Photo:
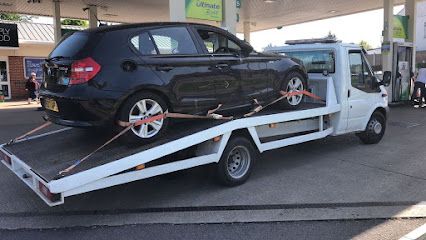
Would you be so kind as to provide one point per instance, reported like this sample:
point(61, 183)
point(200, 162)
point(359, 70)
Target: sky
point(353, 28)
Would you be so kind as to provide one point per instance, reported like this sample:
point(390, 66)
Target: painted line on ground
point(417, 234)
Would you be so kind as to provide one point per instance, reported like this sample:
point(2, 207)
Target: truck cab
point(359, 92)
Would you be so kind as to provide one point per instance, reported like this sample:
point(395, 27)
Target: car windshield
point(70, 46)
point(315, 61)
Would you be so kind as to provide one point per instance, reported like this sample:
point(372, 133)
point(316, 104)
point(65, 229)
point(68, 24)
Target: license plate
point(51, 105)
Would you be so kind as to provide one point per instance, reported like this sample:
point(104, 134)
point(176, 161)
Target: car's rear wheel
point(142, 106)
point(294, 82)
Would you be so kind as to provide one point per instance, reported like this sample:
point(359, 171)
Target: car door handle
point(164, 68)
point(221, 65)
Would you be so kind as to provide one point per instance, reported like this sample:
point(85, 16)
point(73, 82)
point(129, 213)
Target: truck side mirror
point(387, 77)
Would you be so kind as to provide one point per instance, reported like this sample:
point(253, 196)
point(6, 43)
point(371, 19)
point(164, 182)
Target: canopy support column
point(387, 45)
point(411, 12)
point(229, 21)
point(92, 11)
point(177, 10)
point(247, 31)
point(56, 20)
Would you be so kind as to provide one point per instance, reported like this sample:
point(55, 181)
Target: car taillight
point(83, 70)
point(5, 158)
point(46, 192)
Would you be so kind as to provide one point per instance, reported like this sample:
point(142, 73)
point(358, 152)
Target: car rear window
point(71, 45)
point(315, 61)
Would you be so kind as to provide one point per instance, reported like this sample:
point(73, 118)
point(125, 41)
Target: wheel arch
point(378, 109)
point(382, 111)
point(145, 89)
point(294, 69)
point(246, 134)
point(297, 69)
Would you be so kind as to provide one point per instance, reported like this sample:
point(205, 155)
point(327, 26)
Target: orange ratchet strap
point(129, 125)
point(283, 95)
point(46, 124)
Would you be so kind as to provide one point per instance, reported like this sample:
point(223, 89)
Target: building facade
point(36, 41)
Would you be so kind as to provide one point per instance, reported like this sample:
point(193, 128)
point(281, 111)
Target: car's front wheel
point(294, 82)
point(142, 106)
point(375, 129)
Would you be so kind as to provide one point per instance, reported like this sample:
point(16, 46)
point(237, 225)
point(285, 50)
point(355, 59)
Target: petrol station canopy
point(261, 14)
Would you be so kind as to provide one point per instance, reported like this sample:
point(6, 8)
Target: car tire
point(139, 106)
point(294, 81)
point(236, 163)
point(375, 129)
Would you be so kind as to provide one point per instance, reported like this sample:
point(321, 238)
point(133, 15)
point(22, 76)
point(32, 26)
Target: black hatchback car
point(98, 76)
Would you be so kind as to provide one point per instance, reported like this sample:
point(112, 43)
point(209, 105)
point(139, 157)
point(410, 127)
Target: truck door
point(362, 91)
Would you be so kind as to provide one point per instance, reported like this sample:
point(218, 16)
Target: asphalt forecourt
point(330, 179)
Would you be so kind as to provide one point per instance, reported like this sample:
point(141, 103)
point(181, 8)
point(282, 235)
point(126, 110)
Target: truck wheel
point(375, 129)
point(237, 162)
point(140, 106)
point(293, 82)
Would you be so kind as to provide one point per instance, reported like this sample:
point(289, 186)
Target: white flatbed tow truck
point(233, 145)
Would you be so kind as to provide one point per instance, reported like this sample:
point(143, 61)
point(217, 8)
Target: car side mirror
point(387, 77)
point(246, 49)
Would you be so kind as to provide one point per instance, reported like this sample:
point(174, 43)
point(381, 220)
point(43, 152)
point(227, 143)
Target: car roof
point(142, 25)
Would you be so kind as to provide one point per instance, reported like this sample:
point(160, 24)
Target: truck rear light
point(83, 70)
point(46, 192)
point(5, 158)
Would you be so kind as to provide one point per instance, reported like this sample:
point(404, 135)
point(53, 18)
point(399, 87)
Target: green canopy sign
point(204, 9)
point(400, 27)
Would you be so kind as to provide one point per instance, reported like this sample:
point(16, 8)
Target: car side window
point(143, 43)
point(217, 43)
point(361, 76)
point(173, 40)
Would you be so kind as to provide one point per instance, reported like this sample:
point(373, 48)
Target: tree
point(365, 45)
point(14, 17)
point(75, 22)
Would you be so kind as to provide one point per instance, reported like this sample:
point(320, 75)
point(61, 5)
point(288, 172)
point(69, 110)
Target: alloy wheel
point(295, 85)
point(144, 109)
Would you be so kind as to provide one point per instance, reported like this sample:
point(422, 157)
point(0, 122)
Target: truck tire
point(237, 162)
point(151, 105)
point(294, 81)
point(375, 129)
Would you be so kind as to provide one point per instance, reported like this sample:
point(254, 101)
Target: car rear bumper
point(81, 112)
point(71, 123)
